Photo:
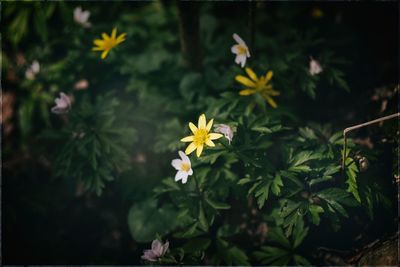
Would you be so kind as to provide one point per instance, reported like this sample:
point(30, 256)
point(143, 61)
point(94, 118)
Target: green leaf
point(217, 205)
point(278, 236)
point(146, 219)
point(203, 223)
point(262, 193)
point(303, 157)
point(351, 171)
point(276, 185)
point(197, 244)
point(315, 210)
point(299, 232)
point(300, 260)
point(244, 181)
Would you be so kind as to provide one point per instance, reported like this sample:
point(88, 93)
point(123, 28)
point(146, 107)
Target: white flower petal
point(176, 163)
point(235, 49)
point(184, 157)
point(238, 39)
point(165, 248)
point(180, 175)
point(184, 179)
point(190, 172)
point(242, 60)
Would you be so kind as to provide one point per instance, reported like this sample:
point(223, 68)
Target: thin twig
point(349, 129)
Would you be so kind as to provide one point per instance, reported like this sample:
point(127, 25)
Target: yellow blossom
point(317, 13)
point(108, 42)
point(257, 85)
point(201, 136)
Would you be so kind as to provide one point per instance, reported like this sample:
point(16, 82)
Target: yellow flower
point(201, 136)
point(257, 85)
point(317, 13)
point(108, 42)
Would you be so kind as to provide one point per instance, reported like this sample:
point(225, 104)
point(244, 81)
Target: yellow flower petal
point(270, 100)
point(97, 49)
point(104, 54)
point(210, 143)
point(114, 33)
point(209, 125)
point(247, 92)
point(121, 38)
point(245, 81)
point(105, 36)
point(251, 74)
point(190, 148)
point(273, 92)
point(214, 136)
point(269, 75)
point(202, 122)
point(98, 42)
point(188, 139)
point(199, 150)
point(192, 127)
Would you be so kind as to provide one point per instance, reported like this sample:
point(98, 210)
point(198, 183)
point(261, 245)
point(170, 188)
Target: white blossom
point(32, 70)
point(315, 67)
point(63, 104)
point(82, 17)
point(158, 250)
point(183, 167)
point(241, 50)
point(226, 130)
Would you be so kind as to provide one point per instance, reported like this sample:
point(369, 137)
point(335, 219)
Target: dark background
point(47, 221)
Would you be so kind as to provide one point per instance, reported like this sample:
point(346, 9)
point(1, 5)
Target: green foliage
point(95, 143)
point(285, 251)
point(147, 219)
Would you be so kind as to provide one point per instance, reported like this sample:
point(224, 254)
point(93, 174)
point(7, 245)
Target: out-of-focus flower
point(158, 250)
point(257, 85)
point(241, 50)
point(108, 42)
point(315, 67)
point(317, 13)
point(20, 59)
point(201, 136)
point(7, 103)
point(82, 17)
point(226, 130)
point(32, 70)
point(183, 166)
point(140, 158)
point(81, 84)
point(63, 104)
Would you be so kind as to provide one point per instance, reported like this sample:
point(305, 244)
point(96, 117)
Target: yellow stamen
point(185, 167)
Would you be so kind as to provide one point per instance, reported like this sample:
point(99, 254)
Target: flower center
point(261, 84)
point(108, 44)
point(200, 137)
point(185, 167)
point(242, 50)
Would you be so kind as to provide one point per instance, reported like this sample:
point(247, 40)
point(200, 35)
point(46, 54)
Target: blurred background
point(48, 219)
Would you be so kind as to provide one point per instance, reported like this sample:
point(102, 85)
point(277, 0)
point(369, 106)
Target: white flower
point(315, 67)
point(241, 50)
point(63, 104)
point(82, 17)
point(226, 130)
point(183, 166)
point(158, 250)
point(33, 69)
point(81, 84)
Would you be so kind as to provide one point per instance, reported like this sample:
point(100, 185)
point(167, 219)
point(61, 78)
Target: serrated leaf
point(217, 205)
